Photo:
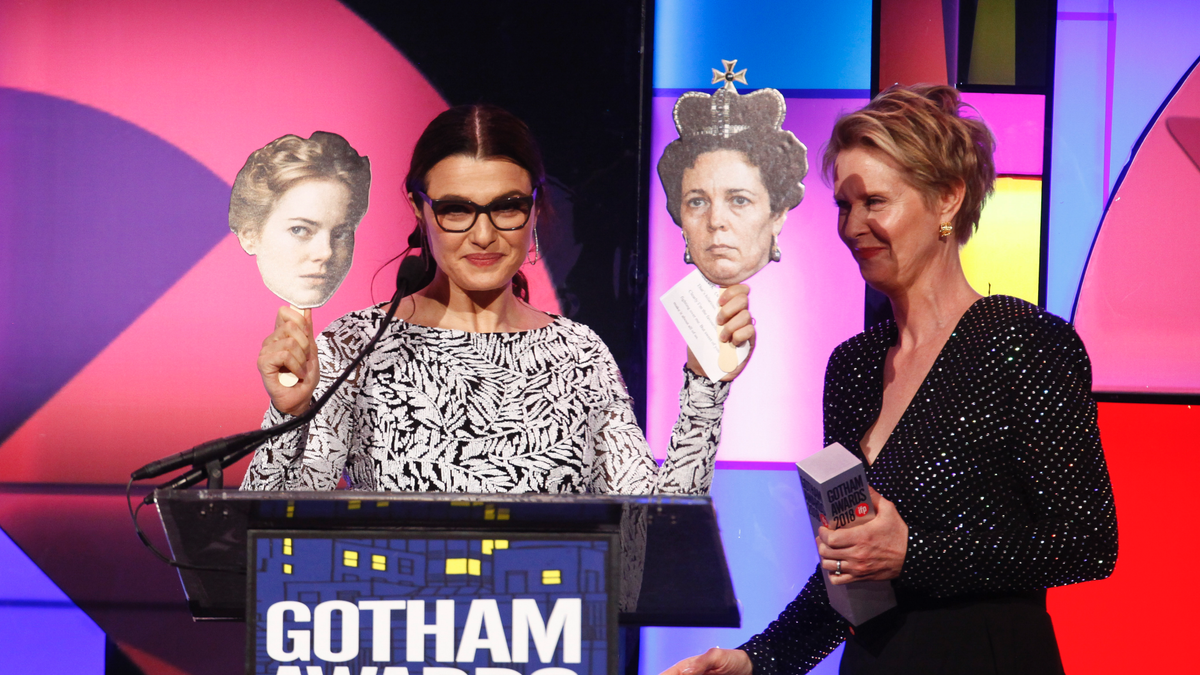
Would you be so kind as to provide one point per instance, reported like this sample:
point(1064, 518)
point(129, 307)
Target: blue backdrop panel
point(41, 630)
point(771, 553)
point(787, 44)
point(1077, 156)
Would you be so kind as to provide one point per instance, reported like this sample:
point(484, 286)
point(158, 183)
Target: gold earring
point(945, 230)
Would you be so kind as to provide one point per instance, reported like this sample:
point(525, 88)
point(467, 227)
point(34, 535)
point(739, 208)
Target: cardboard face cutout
point(731, 177)
point(295, 207)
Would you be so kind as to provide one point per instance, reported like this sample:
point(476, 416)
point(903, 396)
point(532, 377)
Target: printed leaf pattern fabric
point(440, 410)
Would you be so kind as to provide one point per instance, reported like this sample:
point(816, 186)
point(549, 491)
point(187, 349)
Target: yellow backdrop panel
point(1002, 257)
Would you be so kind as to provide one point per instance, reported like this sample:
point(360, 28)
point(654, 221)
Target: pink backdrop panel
point(1019, 123)
point(1138, 309)
point(217, 80)
point(804, 306)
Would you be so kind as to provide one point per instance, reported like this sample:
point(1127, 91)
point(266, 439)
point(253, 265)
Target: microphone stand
point(209, 460)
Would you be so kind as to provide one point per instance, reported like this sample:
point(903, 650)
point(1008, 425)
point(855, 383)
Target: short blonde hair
point(919, 127)
point(286, 162)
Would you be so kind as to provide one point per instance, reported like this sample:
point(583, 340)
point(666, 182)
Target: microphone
point(202, 453)
point(412, 271)
point(412, 275)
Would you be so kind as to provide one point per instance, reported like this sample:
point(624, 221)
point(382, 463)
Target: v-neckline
point(893, 338)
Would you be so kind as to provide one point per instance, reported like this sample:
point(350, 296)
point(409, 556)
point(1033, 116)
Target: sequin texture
point(996, 467)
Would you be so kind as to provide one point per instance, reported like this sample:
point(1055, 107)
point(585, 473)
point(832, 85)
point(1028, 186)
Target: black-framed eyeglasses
point(459, 215)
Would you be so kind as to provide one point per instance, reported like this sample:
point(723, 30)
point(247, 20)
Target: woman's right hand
point(290, 348)
point(737, 326)
point(715, 661)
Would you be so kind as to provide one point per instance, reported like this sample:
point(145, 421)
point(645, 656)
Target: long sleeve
point(443, 410)
point(691, 457)
point(313, 458)
point(623, 461)
point(1070, 534)
point(806, 632)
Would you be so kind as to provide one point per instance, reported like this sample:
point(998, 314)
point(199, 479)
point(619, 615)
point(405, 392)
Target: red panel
point(912, 42)
point(1140, 619)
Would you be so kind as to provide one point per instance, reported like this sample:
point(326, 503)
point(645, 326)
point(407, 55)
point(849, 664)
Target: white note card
point(692, 306)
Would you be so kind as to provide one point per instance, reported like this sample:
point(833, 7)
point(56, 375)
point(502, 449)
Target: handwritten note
point(692, 306)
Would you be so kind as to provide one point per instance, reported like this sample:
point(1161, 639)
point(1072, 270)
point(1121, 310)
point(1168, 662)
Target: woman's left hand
point(873, 551)
point(736, 326)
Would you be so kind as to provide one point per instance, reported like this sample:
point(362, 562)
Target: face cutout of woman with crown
point(731, 177)
point(729, 229)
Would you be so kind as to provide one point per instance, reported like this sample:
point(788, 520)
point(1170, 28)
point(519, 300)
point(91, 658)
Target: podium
point(342, 583)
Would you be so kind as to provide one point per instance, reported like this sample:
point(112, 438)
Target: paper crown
point(725, 112)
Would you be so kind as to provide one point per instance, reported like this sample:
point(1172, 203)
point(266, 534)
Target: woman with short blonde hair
point(921, 130)
point(973, 416)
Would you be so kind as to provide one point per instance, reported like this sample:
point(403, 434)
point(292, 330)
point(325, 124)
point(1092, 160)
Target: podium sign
point(428, 602)
point(387, 583)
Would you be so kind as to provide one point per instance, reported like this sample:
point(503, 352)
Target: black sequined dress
point(997, 469)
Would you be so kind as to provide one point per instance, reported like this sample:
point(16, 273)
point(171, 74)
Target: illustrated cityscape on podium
point(309, 568)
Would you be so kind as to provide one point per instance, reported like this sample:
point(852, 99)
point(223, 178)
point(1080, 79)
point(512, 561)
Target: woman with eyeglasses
point(472, 389)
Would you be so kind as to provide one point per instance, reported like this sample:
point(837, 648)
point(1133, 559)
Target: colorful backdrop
point(1114, 64)
point(129, 315)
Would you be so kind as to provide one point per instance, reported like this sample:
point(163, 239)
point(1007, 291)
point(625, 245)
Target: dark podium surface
point(685, 579)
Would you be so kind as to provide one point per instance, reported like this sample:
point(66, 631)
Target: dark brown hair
point(921, 129)
point(483, 132)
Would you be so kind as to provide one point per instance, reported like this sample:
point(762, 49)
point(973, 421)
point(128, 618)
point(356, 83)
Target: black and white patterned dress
point(441, 410)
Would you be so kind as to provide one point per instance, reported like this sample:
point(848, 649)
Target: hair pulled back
point(288, 161)
point(482, 132)
point(921, 129)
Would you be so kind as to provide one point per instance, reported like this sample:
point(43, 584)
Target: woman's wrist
point(701, 393)
point(292, 412)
